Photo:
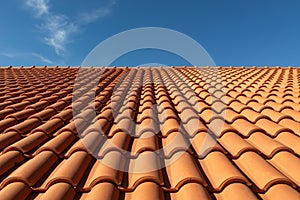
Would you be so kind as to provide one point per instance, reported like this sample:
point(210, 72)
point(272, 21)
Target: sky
point(233, 32)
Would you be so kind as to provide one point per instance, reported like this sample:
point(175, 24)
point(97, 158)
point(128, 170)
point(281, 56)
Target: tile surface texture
point(150, 133)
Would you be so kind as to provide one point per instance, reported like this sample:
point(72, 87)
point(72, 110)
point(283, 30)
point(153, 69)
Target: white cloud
point(8, 55)
point(58, 28)
point(40, 7)
point(41, 58)
point(89, 17)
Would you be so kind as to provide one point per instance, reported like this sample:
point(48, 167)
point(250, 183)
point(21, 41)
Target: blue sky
point(233, 32)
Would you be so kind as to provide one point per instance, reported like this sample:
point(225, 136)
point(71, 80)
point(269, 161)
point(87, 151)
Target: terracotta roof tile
point(252, 165)
point(15, 190)
point(235, 144)
point(288, 164)
point(149, 133)
point(58, 191)
point(106, 190)
point(223, 173)
point(145, 190)
point(191, 191)
point(266, 144)
point(289, 140)
point(236, 191)
point(277, 191)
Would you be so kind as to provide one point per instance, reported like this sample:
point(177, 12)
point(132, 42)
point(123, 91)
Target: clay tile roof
point(150, 133)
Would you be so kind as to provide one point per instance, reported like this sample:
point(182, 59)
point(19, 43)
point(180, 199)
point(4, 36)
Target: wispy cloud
point(8, 55)
point(40, 7)
point(93, 15)
point(41, 58)
point(58, 28)
point(89, 17)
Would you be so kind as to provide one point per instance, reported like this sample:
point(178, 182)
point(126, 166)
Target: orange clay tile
point(182, 168)
point(145, 190)
point(58, 144)
point(278, 191)
point(8, 138)
point(236, 191)
point(144, 168)
point(225, 133)
point(118, 142)
point(266, 144)
point(244, 127)
point(290, 140)
point(28, 143)
point(33, 170)
point(288, 164)
point(58, 191)
point(15, 190)
point(220, 174)
point(191, 191)
point(260, 171)
point(203, 143)
point(105, 190)
point(109, 168)
point(146, 142)
point(9, 159)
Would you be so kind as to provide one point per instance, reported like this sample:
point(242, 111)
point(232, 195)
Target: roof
point(150, 133)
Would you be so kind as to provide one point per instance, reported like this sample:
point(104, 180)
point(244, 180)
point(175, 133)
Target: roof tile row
point(157, 133)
